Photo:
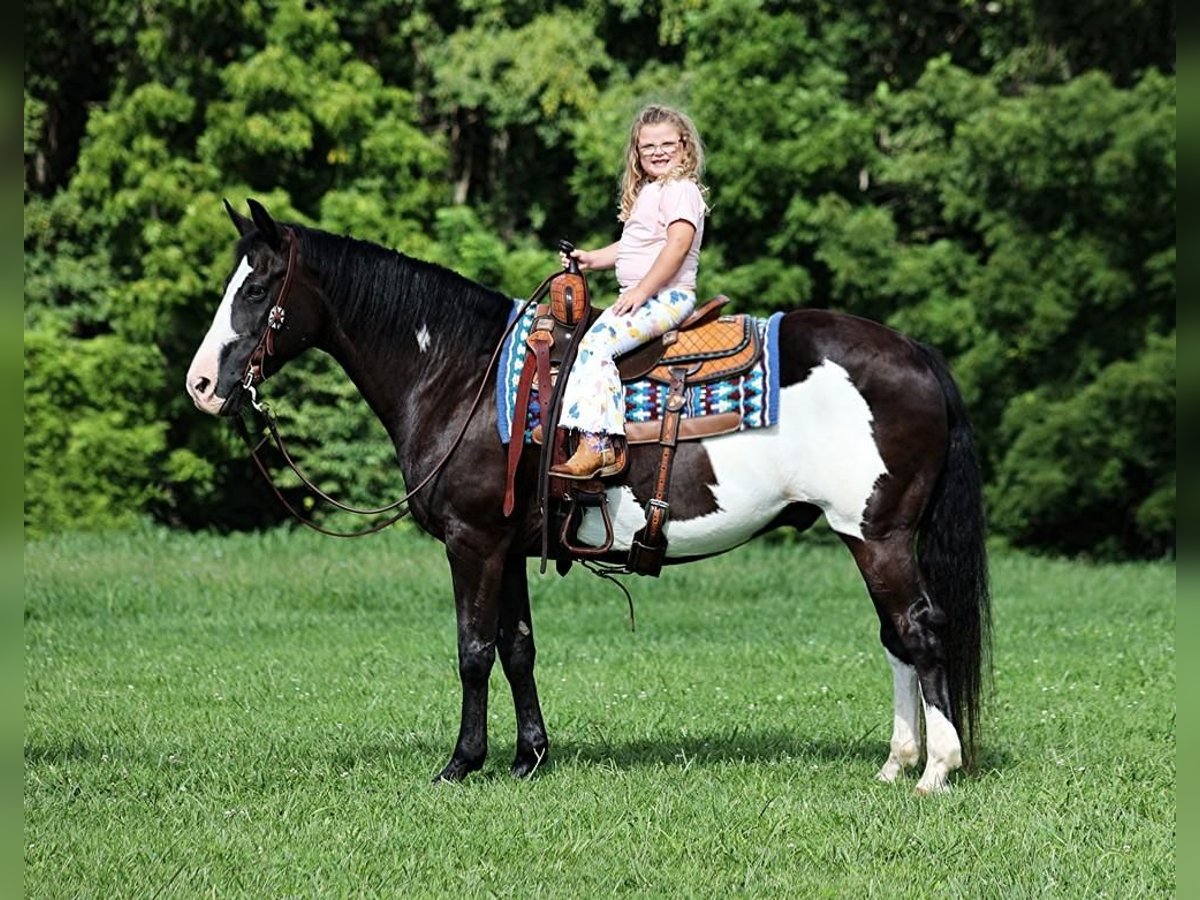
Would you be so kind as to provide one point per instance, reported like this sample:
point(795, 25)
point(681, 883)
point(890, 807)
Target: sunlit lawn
point(260, 716)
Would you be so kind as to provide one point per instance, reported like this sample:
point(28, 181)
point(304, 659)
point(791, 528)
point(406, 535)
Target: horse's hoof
point(456, 770)
point(928, 787)
point(935, 779)
point(902, 757)
point(888, 774)
point(525, 765)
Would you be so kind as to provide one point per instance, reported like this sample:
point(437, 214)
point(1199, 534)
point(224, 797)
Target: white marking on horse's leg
point(423, 338)
point(942, 749)
point(202, 373)
point(906, 722)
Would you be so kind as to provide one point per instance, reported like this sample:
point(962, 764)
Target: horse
point(872, 433)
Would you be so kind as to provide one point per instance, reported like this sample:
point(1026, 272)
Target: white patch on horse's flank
point(423, 338)
point(822, 452)
point(627, 517)
point(905, 746)
point(943, 751)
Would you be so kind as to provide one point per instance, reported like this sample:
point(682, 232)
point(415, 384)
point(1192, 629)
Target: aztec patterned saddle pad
point(753, 394)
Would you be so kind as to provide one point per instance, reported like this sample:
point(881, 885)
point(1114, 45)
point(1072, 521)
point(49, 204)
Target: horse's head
point(268, 315)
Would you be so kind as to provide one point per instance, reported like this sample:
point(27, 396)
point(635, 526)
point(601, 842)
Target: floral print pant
point(594, 401)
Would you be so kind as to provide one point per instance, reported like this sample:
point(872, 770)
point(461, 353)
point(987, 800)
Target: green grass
point(260, 716)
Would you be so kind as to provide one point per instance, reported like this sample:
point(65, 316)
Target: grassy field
point(259, 716)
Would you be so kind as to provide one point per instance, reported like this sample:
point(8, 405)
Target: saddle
point(706, 346)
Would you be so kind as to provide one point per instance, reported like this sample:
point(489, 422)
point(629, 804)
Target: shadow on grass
point(595, 749)
point(701, 749)
point(772, 745)
point(717, 749)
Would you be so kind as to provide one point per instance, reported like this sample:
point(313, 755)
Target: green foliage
point(786, 135)
point(1095, 470)
point(997, 180)
point(1053, 217)
point(92, 437)
point(507, 97)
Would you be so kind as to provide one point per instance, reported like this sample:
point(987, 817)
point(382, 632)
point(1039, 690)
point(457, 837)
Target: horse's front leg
point(477, 582)
point(517, 654)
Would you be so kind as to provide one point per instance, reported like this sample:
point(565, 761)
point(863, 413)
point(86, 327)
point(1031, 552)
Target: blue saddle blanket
point(754, 393)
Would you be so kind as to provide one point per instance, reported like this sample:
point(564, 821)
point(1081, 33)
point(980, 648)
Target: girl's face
point(659, 148)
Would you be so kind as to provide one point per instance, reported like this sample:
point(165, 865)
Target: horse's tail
point(953, 557)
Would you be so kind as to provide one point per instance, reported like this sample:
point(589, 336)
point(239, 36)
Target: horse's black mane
point(378, 293)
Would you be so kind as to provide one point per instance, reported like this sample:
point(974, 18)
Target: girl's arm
point(666, 266)
point(594, 260)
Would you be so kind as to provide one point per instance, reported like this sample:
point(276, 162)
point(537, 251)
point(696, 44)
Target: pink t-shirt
point(645, 233)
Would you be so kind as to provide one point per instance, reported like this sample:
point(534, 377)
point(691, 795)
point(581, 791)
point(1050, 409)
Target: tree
point(997, 179)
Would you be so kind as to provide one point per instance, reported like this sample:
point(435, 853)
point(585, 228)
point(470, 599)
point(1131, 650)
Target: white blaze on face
point(822, 452)
point(203, 372)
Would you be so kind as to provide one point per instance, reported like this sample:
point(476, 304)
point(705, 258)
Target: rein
point(254, 376)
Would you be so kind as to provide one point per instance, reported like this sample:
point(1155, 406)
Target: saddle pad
point(754, 394)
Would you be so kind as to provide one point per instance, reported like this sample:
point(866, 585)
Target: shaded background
point(996, 179)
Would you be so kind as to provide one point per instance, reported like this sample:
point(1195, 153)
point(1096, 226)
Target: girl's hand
point(585, 258)
point(630, 301)
point(592, 260)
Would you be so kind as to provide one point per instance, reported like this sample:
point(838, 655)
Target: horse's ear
point(266, 225)
point(240, 222)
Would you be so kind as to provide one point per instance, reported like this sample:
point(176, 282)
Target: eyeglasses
point(667, 147)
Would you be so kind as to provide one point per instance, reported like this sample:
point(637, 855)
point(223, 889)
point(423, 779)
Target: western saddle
point(707, 346)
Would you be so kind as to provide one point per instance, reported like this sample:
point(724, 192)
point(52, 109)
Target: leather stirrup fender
point(516, 437)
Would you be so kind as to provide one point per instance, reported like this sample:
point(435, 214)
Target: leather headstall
point(275, 319)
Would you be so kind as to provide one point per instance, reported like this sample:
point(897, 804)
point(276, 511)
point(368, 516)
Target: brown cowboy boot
point(597, 456)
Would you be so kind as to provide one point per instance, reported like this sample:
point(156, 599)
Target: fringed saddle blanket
point(753, 394)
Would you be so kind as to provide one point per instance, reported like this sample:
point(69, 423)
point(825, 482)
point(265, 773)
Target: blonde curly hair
point(691, 156)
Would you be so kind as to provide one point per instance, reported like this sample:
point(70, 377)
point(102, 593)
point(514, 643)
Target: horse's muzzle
point(203, 391)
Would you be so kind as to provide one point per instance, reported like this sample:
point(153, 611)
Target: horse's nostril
point(201, 385)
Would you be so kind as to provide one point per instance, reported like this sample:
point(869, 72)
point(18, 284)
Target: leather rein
point(254, 377)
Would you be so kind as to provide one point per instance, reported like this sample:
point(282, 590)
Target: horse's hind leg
point(517, 654)
point(905, 746)
point(910, 629)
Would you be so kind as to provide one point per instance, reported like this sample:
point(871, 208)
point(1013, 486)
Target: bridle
point(253, 377)
point(275, 319)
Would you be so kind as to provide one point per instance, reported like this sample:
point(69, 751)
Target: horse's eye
point(255, 292)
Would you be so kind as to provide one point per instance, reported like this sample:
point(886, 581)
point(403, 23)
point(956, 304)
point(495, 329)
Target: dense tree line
point(994, 178)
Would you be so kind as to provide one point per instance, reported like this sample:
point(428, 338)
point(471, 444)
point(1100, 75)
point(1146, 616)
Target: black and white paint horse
point(872, 433)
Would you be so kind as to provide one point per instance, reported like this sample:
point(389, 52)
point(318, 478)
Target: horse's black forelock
point(380, 294)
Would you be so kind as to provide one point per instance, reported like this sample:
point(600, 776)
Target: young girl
point(663, 208)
